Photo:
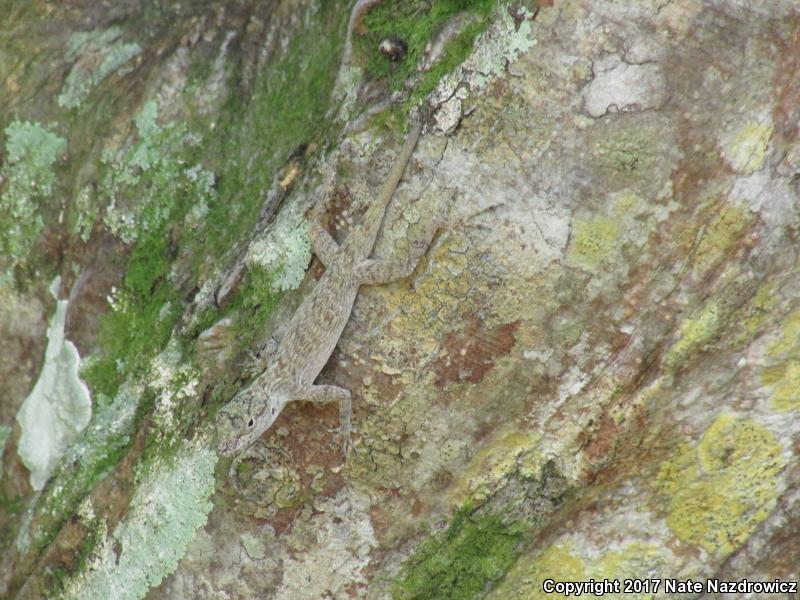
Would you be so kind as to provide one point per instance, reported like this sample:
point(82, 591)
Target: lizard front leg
point(322, 243)
point(323, 394)
point(375, 271)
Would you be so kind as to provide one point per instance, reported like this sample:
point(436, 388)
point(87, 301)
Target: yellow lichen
point(748, 146)
point(723, 232)
point(717, 492)
point(563, 562)
point(593, 243)
point(784, 375)
point(496, 460)
point(627, 203)
point(694, 333)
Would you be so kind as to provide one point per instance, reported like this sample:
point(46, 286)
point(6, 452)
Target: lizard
point(315, 327)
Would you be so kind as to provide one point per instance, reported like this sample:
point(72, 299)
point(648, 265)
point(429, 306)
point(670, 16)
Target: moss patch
point(462, 562)
point(416, 22)
point(717, 492)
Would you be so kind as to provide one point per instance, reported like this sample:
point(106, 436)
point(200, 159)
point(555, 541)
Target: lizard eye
point(251, 422)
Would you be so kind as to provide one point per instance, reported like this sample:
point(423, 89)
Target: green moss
point(593, 242)
point(253, 304)
point(462, 562)
point(416, 22)
point(26, 185)
point(716, 493)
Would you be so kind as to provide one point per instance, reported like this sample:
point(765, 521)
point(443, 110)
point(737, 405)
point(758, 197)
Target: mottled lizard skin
point(314, 329)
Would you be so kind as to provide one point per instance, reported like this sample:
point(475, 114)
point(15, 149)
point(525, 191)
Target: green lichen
point(89, 460)
point(464, 561)
point(594, 242)
point(286, 254)
point(563, 562)
point(695, 333)
point(783, 374)
point(26, 185)
point(747, 147)
point(171, 501)
point(147, 183)
point(98, 53)
point(716, 493)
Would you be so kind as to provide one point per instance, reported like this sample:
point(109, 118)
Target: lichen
point(594, 242)
point(86, 462)
point(745, 150)
point(98, 53)
point(564, 562)
point(171, 501)
point(497, 459)
point(57, 409)
point(694, 334)
point(27, 181)
point(723, 232)
point(286, 253)
point(783, 372)
point(471, 556)
point(715, 493)
point(141, 181)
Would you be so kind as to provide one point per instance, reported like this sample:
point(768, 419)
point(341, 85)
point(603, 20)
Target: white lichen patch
point(339, 543)
point(58, 408)
point(97, 54)
point(171, 502)
point(494, 50)
point(621, 87)
point(285, 251)
point(174, 382)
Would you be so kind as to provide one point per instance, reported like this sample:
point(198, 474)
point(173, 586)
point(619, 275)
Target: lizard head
point(243, 420)
point(238, 426)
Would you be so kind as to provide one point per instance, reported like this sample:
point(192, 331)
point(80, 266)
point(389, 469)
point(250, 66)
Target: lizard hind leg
point(323, 394)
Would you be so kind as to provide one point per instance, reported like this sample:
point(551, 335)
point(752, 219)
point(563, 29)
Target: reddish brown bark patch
point(470, 354)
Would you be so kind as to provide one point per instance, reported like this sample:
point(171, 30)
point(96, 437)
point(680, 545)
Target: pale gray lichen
point(285, 251)
point(171, 501)
point(502, 43)
point(98, 54)
point(58, 408)
point(143, 179)
point(27, 178)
